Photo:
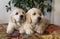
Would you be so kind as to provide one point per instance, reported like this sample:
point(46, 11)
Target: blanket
point(51, 32)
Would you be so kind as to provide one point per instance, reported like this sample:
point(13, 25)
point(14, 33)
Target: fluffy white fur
point(16, 23)
point(37, 20)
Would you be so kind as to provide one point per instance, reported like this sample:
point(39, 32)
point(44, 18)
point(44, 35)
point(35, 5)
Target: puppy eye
point(34, 13)
point(23, 12)
point(17, 13)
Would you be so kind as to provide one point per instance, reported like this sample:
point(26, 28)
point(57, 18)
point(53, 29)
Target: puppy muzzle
point(38, 19)
point(21, 17)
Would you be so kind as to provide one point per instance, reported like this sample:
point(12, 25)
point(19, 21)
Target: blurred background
point(50, 9)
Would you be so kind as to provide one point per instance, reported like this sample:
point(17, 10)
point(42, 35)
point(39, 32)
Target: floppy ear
point(28, 19)
point(12, 19)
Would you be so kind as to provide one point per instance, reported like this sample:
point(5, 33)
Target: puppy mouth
point(21, 18)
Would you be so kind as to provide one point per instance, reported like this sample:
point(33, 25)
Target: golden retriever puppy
point(37, 20)
point(18, 22)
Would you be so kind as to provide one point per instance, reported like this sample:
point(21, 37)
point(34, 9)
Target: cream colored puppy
point(37, 20)
point(17, 19)
point(18, 22)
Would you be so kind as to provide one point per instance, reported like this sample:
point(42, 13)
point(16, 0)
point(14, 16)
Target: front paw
point(29, 31)
point(40, 31)
point(21, 31)
point(9, 30)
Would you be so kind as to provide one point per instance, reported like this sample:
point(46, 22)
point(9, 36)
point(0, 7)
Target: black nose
point(39, 18)
point(21, 16)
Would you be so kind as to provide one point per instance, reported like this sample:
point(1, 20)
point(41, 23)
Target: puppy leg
point(28, 28)
point(39, 29)
point(21, 30)
point(10, 28)
point(29, 31)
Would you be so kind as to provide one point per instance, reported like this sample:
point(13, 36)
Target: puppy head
point(35, 15)
point(18, 15)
